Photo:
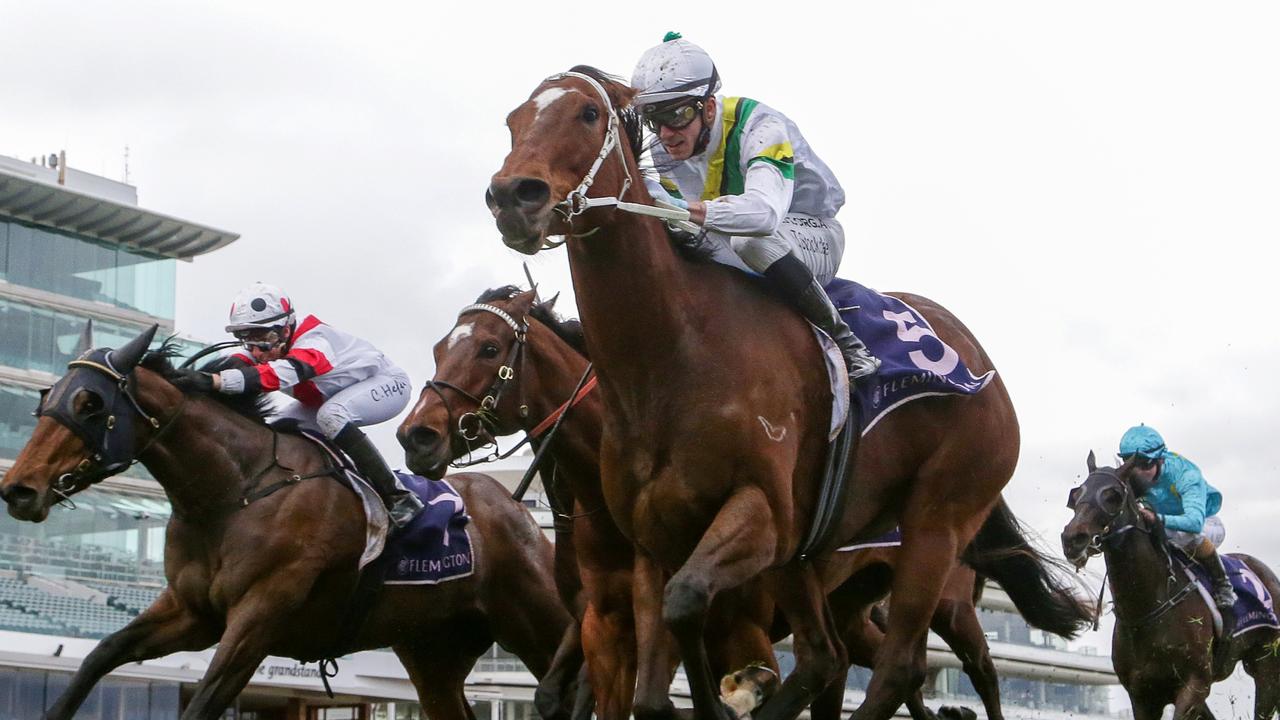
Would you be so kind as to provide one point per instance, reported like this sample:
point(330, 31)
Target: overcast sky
point(1091, 187)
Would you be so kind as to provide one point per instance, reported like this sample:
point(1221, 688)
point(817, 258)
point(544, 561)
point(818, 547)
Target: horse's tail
point(1037, 584)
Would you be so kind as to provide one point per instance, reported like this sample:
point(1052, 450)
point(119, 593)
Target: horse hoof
point(746, 690)
point(953, 712)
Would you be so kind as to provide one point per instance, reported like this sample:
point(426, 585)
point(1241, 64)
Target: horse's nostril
point(532, 192)
point(422, 438)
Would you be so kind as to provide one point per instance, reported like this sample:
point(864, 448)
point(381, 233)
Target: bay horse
point(1163, 646)
point(514, 350)
point(261, 551)
point(717, 407)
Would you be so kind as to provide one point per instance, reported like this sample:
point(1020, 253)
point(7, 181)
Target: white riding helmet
point(260, 306)
point(675, 69)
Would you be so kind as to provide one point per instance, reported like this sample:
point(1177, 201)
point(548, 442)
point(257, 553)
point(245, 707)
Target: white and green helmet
point(674, 70)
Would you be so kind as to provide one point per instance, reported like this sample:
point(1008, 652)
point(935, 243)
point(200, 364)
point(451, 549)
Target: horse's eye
point(489, 351)
point(590, 113)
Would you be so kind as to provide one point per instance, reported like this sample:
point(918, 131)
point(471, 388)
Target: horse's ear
point(124, 359)
point(550, 303)
point(1092, 462)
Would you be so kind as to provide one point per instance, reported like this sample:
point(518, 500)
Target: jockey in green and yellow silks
point(746, 175)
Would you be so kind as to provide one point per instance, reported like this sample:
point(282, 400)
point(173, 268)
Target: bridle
point(577, 202)
point(471, 426)
point(106, 434)
point(1111, 530)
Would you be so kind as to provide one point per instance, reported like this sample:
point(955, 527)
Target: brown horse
point(716, 413)
point(508, 329)
point(1163, 645)
point(260, 571)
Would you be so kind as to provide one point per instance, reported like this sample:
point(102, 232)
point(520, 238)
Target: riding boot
point(1224, 596)
point(793, 279)
point(401, 504)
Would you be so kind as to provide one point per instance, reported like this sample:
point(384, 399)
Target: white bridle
point(577, 201)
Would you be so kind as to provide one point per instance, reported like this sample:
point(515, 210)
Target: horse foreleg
point(1188, 704)
point(554, 696)
point(164, 627)
point(917, 586)
point(738, 545)
point(252, 626)
point(439, 673)
point(608, 639)
point(655, 659)
point(820, 656)
point(956, 622)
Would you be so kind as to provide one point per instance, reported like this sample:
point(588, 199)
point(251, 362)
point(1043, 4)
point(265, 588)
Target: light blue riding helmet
point(1144, 441)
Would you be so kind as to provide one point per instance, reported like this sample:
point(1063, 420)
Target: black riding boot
point(791, 277)
point(1224, 596)
point(401, 504)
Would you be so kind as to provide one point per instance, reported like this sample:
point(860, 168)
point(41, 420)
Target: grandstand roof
point(32, 199)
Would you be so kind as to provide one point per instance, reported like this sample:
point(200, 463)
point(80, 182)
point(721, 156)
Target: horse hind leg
point(1265, 671)
point(163, 628)
point(956, 622)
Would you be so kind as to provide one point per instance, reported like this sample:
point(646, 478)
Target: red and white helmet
point(260, 306)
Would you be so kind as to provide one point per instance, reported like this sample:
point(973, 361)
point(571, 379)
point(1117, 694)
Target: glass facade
point(26, 694)
point(36, 338)
point(86, 269)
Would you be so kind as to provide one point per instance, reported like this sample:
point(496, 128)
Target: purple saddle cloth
point(436, 546)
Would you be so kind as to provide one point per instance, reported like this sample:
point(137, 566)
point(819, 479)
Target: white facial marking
point(775, 434)
point(459, 333)
point(548, 96)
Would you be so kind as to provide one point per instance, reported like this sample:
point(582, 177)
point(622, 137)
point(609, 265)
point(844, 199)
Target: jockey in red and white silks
point(340, 382)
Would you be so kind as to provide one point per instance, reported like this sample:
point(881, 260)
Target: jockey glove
point(193, 380)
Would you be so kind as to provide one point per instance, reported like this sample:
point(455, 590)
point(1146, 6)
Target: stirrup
point(403, 506)
point(861, 365)
point(1221, 596)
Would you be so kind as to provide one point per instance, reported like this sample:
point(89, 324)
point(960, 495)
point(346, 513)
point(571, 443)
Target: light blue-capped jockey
point(1178, 495)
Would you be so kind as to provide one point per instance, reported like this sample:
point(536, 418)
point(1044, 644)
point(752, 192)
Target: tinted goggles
point(674, 118)
point(1141, 462)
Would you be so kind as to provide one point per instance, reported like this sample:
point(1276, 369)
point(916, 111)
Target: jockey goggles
point(675, 118)
point(259, 339)
point(1142, 462)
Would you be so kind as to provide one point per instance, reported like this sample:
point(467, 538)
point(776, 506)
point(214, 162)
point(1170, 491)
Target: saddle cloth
point(915, 363)
point(1254, 608)
point(434, 548)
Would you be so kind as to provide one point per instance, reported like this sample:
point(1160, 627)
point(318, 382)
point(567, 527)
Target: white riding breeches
point(1213, 531)
point(819, 243)
point(368, 402)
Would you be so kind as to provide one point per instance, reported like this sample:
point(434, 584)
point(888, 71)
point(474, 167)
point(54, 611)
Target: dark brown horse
point(508, 329)
point(276, 574)
point(1163, 645)
point(717, 407)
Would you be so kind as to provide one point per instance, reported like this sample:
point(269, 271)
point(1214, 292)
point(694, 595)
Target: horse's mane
point(568, 330)
point(160, 361)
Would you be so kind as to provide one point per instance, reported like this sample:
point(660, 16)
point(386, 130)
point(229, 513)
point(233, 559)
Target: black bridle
point(472, 426)
point(108, 433)
point(1127, 514)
